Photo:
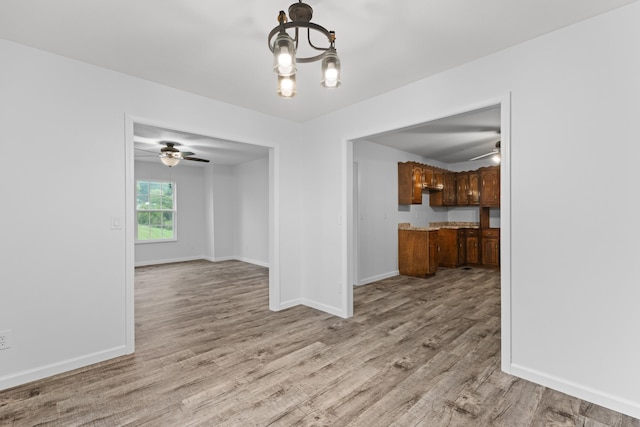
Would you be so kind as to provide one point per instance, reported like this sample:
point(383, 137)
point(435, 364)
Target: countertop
point(434, 226)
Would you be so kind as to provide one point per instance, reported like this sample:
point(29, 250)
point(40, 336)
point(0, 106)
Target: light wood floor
point(209, 352)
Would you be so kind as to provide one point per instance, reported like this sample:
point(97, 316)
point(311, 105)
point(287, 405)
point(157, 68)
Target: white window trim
point(174, 210)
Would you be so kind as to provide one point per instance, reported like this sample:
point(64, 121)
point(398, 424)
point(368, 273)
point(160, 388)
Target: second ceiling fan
point(171, 156)
point(494, 152)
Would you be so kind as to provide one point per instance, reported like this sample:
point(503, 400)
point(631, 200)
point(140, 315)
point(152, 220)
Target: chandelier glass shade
point(285, 48)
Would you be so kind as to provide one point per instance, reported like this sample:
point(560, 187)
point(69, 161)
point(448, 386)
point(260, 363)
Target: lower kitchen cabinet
point(491, 247)
point(473, 247)
point(417, 252)
point(452, 247)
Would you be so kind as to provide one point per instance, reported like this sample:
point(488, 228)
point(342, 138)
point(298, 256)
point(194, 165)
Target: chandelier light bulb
point(287, 86)
point(331, 75)
point(285, 62)
point(330, 69)
point(284, 55)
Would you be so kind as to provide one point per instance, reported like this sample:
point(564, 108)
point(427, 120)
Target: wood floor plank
point(417, 352)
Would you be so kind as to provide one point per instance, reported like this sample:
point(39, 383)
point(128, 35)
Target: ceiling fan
point(495, 152)
point(171, 156)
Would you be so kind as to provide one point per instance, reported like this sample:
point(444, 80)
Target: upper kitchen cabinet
point(474, 188)
point(462, 189)
point(490, 186)
point(446, 197)
point(446, 188)
point(409, 183)
point(415, 177)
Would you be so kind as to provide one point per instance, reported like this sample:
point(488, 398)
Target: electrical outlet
point(5, 340)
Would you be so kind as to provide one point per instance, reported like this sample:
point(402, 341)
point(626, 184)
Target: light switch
point(116, 223)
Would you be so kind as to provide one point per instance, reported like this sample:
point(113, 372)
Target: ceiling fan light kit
point(284, 49)
point(171, 156)
point(169, 160)
point(495, 153)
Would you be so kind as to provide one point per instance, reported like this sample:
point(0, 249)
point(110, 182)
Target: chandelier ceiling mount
point(284, 49)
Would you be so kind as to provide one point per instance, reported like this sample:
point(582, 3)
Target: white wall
point(241, 212)
point(252, 211)
point(239, 195)
point(574, 291)
point(379, 212)
point(190, 212)
point(63, 265)
point(224, 207)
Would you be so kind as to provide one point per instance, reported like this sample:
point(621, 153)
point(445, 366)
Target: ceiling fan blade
point(196, 159)
point(147, 151)
point(187, 153)
point(485, 155)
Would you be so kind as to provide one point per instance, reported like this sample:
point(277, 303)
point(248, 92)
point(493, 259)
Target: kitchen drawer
point(491, 232)
point(472, 232)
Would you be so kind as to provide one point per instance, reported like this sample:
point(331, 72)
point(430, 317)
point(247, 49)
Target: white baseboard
point(206, 258)
point(41, 372)
point(253, 261)
point(580, 391)
point(288, 304)
point(323, 307)
point(377, 277)
point(312, 304)
point(167, 261)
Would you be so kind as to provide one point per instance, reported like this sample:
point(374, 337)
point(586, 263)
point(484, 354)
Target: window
point(155, 211)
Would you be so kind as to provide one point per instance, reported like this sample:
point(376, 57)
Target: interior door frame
point(348, 243)
point(274, 217)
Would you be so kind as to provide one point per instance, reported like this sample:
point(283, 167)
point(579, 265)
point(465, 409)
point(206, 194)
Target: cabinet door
point(448, 248)
point(491, 247)
point(436, 197)
point(472, 250)
point(449, 189)
point(428, 178)
point(405, 183)
point(416, 195)
point(490, 252)
point(433, 252)
point(490, 186)
point(462, 189)
point(474, 189)
point(462, 247)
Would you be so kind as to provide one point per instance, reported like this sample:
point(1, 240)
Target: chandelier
point(284, 49)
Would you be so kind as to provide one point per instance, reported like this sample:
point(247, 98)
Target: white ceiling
point(449, 140)
point(148, 140)
point(218, 49)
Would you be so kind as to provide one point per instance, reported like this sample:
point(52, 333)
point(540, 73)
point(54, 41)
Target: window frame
point(174, 211)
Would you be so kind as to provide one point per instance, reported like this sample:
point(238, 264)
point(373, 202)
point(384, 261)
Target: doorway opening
point(371, 235)
point(220, 213)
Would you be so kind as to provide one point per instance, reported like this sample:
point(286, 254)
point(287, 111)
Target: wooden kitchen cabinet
point(462, 189)
point(449, 189)
point(417, 252)
point(447, 196)
point(467, 189)
point(434, 251)
point(409, 183)
point(491, 247)
point(490, 186)
point(452, 244)
point(474, 188)
point(473, 247)
point(416, 185)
